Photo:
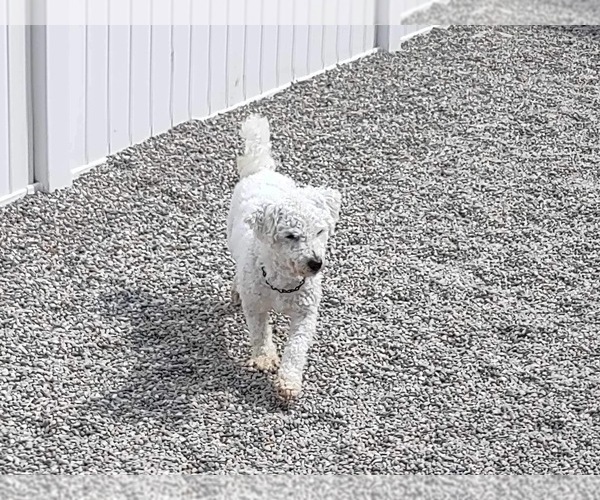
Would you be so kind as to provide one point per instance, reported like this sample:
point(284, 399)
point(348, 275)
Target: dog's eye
point(291, 237)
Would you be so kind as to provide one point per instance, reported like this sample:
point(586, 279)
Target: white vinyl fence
point(120, 71)
point(16, 167)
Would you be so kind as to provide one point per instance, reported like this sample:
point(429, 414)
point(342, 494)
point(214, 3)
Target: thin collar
point(280, 290)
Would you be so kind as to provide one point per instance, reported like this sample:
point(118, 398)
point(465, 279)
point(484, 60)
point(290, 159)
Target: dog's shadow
point(184, 354)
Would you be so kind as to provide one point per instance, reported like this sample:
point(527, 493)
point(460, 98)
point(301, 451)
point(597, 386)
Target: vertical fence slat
point(50, 73)
point(236, 48)
point(235, 64)
point(97, 81)
point(218, 67)
point(344, 41)
point(301, 39)
point(357, 29)
point(344, 30)
point(370, 17)
point(253, 50)
point(330, 33)
point(315, 35)
point(18, 89)
point(218, 55)
point(77, 92)
point(77, 86)
point(140, 115)
point(181, 61)
point(5, 187)
point(199, 59)
point(285, 44)
point(252, 62)
point(119, 60)
point(268, 66)
point(160, 79)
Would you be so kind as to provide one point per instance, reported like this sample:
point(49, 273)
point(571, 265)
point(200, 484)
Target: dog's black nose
point(315, 265)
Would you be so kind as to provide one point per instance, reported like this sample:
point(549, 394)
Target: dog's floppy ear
point(327, 199)
point(263, 221)
point(333, 202)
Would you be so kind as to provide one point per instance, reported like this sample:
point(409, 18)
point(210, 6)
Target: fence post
point(17, 74)
point(50, 100)
point(14, 133)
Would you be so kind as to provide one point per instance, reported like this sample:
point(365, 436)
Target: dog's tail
point(257, 147)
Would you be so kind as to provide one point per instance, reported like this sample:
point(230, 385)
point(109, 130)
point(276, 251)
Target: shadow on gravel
point(183, 360)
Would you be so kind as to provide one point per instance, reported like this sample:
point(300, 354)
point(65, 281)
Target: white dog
point(277, 234)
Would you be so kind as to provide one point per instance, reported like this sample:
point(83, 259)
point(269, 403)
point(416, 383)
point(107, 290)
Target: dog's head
point(297, 230)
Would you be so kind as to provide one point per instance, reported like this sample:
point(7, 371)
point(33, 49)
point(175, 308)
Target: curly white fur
point(276, 225)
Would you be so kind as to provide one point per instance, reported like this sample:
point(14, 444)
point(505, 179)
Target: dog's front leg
point(236, 300)
point(302, 332)
point(264, 353)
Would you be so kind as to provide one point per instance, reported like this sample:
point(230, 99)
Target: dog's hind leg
point(264, 353)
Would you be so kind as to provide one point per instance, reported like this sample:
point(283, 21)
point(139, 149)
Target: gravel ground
point(284, 487)
point(459, 329)
point(509, 12)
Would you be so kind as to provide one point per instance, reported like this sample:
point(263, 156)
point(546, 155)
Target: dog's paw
point(264, 362)
point(287, 390)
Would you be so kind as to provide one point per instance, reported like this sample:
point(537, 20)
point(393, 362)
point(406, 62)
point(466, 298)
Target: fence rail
point(113, 73)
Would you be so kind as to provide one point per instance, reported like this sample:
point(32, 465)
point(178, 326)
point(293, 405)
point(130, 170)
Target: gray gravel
point(459, 330)
point(509, 12)
point(306, 487)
